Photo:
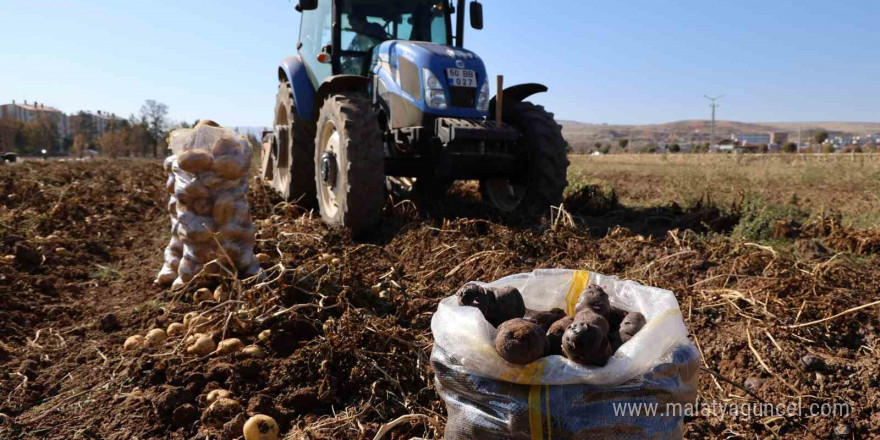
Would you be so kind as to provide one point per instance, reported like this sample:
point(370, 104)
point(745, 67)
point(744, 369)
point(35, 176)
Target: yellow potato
point(203, 346)
point(217, 394)
point(133, 342)
point(195, 161)
point(224, 146)
point(224, 209)
point(203, 294)
point(176, 329)
point(155, 337)
point(229, 167)
point(260, 427)
point(207, 122)
point(254, 351)
point(264, 334)
point(220, 412)
point(231, 345)
point(221, 294)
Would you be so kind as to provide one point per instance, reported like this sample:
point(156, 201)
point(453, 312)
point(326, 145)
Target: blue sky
point(616, 62)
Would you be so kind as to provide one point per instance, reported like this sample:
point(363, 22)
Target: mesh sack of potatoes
point(211, 221)
point(174, 250)
point(553, 396)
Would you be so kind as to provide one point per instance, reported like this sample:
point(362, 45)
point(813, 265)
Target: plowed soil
point(80, 244)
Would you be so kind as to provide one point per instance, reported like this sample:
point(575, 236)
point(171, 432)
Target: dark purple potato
point(631, 325)
point(508, 305)
point(545, 319)
point(615, 318)
point(594, 298)
point(590, 317)
point(614, 338)
point(475, 296)
point(554, 335)
point(520, 342)
point(586, 344)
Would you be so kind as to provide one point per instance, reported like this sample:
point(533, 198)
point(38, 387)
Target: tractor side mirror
point(476, 15)
point(307, 5)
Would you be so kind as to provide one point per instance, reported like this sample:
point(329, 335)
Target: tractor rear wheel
point(290, 165)
point(350, 163)
point(546, 178)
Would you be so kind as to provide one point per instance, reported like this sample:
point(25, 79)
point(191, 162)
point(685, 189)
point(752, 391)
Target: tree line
point(142, 135)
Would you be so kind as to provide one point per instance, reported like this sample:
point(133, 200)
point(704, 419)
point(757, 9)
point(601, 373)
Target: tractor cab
point(382, 94)
point(363, 26)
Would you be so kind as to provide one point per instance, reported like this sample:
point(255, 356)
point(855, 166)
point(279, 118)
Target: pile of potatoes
point(207, 188)
point(590, 337)
point(196, 328)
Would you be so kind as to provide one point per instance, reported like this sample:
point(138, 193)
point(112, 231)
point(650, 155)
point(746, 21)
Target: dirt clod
point(184, 415)
point(108, 323)
point(220, 412)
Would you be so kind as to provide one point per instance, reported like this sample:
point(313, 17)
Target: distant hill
point(583, 136)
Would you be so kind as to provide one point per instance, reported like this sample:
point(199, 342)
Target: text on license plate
point(461, 78)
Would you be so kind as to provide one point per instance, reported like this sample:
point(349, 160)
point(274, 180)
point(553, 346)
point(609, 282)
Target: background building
point(34, 112)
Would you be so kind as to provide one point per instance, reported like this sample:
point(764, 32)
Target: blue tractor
point(383, 94)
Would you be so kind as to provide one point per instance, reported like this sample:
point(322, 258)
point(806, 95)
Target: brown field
point(848, 185)
point(762, 283)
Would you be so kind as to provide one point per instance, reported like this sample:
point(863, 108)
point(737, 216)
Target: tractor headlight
point(483, 99)
point(435, 94)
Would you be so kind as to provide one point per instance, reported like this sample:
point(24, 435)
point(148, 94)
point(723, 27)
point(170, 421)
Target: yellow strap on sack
point(579, 281)
point(536, 422)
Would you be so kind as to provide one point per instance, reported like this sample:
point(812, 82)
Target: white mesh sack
point(210, 214)
point(553, 397)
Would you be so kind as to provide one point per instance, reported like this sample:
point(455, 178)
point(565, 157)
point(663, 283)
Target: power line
point(714, 106)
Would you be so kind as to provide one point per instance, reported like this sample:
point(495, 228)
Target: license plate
point(461, 78)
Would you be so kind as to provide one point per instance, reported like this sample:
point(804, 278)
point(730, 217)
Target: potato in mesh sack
point(555, 397)
point(210, 215)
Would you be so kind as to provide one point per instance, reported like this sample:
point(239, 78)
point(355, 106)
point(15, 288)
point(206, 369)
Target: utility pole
point(714, 105)
point(799, 140)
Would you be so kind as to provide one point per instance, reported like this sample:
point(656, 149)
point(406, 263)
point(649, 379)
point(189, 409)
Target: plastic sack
point(553, 397)
point(211, 218)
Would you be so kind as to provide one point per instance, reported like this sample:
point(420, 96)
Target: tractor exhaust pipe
point(499, 100)
point(459, 24)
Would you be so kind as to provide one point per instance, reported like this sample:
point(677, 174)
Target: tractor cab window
point(367, 23)
point(316, 33)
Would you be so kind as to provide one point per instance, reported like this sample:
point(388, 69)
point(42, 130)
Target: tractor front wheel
point(349, 163)
point(544, 182)
point(289, 166)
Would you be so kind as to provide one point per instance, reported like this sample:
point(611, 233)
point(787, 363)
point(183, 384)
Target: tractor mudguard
point(336, 84)
point(293, 70)
point(515, 94)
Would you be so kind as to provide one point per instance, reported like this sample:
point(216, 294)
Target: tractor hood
point(399, 65)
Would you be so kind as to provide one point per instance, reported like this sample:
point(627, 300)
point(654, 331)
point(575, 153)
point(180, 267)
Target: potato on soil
point(260, 427)
point(231, 345)
point(554, 335)
point(520, 342)
point(203, 294)
point(155, 337)
point(631, 325)
point(175, 329)
point(595, 298)
point(254, 352)
point(203, 346)
point(221, 294)
point(545, 319)
point(133, 342)
point(589, 317)
point(508, 305)
point(264, 334)
point(220, 412)
point(586, 344)
point(195, 161)
point(217, 394)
